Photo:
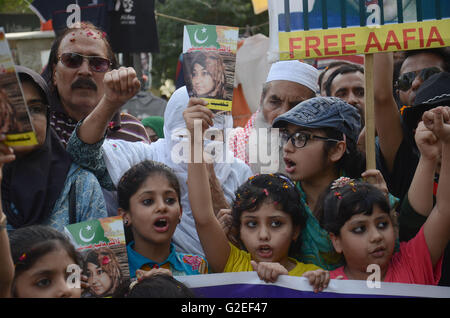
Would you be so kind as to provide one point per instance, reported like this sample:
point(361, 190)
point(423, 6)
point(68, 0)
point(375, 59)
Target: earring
point(125, 222)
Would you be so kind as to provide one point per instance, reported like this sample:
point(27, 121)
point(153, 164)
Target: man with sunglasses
point(397, 154)
point(79, 59)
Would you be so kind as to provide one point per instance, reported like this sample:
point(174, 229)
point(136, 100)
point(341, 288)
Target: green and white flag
point(86, 233)
point(200, 36)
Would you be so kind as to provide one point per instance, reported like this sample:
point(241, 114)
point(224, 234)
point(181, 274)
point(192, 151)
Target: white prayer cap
point(294, 71)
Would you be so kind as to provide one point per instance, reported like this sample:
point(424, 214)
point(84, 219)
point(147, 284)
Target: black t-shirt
point(406, 160)
point(133, 27)
point(94, 11)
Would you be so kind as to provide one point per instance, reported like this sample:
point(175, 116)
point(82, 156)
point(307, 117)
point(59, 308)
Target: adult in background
point(288, 83)
point(78, 61)
point(41, 184)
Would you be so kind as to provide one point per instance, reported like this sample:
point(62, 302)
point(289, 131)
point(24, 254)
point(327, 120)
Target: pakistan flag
point(202, 35)
point(86, 233)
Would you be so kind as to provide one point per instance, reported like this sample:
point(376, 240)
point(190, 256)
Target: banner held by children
point(248, 285)
point(101, 243)
point(15, 120)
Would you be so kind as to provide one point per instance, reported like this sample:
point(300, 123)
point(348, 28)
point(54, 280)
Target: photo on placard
point(102, 246)
point(209, 74)
point(15, 120)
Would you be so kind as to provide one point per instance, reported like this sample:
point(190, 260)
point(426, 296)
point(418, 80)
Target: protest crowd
point(285, 192)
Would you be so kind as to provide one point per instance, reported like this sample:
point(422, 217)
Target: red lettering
point(328, 44)
point(406, 38)
point(421, 37)
point(293, 47)
point(344, 43)
point(434, 31)
point(314, 45)
point(392, 39)
point(376, 44)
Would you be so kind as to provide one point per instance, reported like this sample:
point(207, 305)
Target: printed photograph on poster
point(102, 246)
point(209, 61)
point(15, 120)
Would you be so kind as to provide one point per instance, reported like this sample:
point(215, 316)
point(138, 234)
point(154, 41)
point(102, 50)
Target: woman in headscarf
point(206, 74)
point(42, 185)
point(110, 159)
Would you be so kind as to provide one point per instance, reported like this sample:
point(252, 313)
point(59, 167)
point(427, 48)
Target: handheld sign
point(304, 29)
point(14, 117)
point(209, 59)
point(101, 243)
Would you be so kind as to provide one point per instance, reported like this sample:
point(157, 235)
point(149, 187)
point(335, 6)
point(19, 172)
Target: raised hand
point(427, 142)
point(120, 86)
point(438, 121)
point(196, 111)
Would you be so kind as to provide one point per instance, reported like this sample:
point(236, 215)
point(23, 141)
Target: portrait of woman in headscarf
point(205, 76)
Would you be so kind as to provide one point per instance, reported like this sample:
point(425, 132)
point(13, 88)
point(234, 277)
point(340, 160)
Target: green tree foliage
point(14, 6)
point(238, 13)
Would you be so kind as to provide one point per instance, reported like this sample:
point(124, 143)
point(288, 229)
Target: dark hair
point(336, 206)
point(441, 52)
point(133, 179)
point(350, 68)
point(329, 66)
point(28, 244)
point(353, 161)
point(270, 188)
point(53, 57)
point(160, 286)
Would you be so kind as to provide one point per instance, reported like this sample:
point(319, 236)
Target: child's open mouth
point(161, 225)
point(290, 165)
point(264, 251)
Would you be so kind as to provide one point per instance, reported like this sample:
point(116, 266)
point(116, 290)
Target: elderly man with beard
point(288, 83)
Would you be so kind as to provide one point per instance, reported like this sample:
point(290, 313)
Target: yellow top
point(239, 261)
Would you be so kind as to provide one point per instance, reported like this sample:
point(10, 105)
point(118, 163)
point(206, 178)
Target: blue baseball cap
point(323, 112)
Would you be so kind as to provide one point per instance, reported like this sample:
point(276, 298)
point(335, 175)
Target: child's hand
point(197, 110)
point(375, 177)
point(319, 279)
point(269, 271)
point(226, 221)
point(438, 121)
point(141, 274)
point(427, 142)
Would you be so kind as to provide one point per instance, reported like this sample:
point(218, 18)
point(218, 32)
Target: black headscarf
point(34, 182)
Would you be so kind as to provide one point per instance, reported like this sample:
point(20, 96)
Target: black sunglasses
point(405, 80)
point(96, 63)
point(299, 139)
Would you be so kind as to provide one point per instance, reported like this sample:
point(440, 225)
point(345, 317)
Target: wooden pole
point(369, 112)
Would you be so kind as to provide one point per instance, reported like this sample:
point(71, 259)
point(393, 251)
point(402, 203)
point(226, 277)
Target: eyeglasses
point(405, 81)
point(96, 63)
point(299, 139)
